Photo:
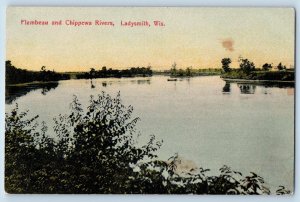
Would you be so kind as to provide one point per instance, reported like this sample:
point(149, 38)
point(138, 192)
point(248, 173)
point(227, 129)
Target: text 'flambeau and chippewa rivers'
point(76, 23)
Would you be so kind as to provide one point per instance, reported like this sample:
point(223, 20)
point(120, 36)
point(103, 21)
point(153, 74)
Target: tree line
point(189, 71)
point(94, 150)
point(109, 72)
point(14, 75)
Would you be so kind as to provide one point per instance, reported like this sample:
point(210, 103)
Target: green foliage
point(246, 65)
point(225, 64)
point(261, 75)
point(180, 72)
point(207, 72)
point(190, 72)
point(247, 71)
point(25, 150)
point(97, 152)
point(235, 74)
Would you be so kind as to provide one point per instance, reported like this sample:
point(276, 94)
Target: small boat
point(170, 79)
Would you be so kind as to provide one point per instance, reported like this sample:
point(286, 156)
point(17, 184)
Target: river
point(207, 122)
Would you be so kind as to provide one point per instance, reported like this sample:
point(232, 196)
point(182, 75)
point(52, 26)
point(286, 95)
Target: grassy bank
point(189, 72)
point(288, 75)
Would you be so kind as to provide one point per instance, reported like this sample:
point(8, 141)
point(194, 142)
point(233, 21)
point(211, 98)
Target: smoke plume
point(228, 44)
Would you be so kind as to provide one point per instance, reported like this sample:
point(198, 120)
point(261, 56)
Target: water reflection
point(144, 81)
point(14, 92)
point(279, 85)
point(226, 88)
point(106, 83)
point(265, 91)
point(250, 88)
point(247, 88)
point(141, 81)
point(92, 85)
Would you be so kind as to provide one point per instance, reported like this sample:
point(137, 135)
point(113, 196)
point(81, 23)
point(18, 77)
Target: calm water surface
point(207, 122)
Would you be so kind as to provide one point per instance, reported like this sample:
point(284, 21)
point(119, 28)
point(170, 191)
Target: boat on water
point(172, 79)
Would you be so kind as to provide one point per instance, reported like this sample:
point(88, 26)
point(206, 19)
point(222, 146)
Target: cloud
point(228, 44)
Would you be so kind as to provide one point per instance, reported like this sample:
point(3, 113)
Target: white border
point(146, 198)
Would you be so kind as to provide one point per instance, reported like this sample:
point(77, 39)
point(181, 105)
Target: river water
point(207, 122)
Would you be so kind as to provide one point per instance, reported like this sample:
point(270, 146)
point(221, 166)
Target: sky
point(191, 37)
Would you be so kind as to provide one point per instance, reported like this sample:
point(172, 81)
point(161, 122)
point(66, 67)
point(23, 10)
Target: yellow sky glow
point(197, 37)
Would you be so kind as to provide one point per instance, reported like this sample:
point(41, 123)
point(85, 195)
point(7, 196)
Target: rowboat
point(170, 79)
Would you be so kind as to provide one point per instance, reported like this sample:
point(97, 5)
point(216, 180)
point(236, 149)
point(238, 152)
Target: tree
point(267, 67)
point(225, 64)
point(281, 67)
point(180, 72)
point(246, 65)
point(188, 71)
point(22, 158)
point(92, 72)
point(149, 70)
point(173, 69)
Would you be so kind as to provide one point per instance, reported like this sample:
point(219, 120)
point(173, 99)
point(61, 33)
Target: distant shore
point(260, 76)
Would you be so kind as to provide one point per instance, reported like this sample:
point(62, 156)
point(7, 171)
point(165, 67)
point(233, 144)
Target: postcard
point(150, 100)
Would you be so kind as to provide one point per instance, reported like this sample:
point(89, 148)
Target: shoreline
point(257, 81)
point(30, 83)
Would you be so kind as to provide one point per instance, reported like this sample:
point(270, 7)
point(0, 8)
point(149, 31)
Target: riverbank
point(257, 81)
point(40, 83)
point(260, 76)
